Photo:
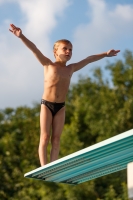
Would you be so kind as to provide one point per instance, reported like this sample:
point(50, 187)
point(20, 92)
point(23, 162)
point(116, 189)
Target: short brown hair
point(56, 44)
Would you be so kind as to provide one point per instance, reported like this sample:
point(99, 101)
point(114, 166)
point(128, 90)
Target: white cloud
point(105, 30)
point(123, 12)
point(42, 15)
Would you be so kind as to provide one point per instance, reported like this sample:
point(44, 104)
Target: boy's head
point(62, 41)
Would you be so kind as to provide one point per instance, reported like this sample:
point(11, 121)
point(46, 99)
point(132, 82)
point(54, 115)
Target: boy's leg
point(57, 127)
point(45, 125)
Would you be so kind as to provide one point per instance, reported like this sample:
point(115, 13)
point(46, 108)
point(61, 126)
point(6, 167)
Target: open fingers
point(112, 52)
point(14, 27)
point(117, 51)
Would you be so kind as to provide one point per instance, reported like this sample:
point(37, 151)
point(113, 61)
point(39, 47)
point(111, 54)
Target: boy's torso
point(56, 82)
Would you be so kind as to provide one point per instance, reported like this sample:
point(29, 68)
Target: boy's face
point(63, 52)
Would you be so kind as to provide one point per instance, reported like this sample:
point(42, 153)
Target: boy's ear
point(54, 51)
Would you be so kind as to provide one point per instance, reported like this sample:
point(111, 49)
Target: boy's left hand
point(112, 52)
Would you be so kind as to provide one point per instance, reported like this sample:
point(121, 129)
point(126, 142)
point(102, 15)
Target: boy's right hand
point(15, 30)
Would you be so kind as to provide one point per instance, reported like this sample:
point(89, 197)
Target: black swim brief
point(53, 106)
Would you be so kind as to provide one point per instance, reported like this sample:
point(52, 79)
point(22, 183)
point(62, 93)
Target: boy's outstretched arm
point(18, 32)
point(77, 66)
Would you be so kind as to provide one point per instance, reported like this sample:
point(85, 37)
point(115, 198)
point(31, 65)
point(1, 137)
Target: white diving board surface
point(103, 158)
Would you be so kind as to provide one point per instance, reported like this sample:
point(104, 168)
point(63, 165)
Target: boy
point(56, 84)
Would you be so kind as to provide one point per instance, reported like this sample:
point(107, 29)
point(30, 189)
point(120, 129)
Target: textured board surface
point(103, 158)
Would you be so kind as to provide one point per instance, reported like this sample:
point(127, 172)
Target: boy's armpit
point(79, 65)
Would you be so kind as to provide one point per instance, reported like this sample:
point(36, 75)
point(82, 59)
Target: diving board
point(106, 157)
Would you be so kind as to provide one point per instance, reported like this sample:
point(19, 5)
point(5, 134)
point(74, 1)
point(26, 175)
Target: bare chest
point(56, 74)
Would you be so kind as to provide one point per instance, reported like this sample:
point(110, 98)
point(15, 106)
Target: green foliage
point(94, 111)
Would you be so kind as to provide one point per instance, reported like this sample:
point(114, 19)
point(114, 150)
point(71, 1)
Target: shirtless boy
point(57, 79)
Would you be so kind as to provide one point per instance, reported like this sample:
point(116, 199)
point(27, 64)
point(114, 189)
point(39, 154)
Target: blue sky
point(93, 26)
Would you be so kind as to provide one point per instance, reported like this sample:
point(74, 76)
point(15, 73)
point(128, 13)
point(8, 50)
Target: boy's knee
point(55, 140)
point(44, 139)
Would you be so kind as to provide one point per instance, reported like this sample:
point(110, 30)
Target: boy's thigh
point(58, 122)
point(45, 119)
